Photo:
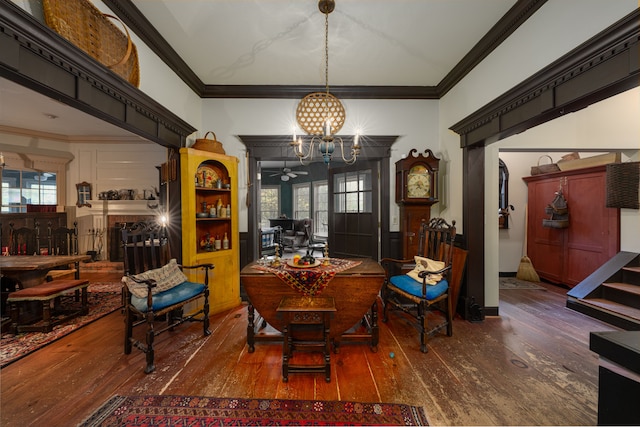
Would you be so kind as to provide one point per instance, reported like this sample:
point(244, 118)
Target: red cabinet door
point(569, 255)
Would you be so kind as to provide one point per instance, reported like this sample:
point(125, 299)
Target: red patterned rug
point(212, 411)
point(103, 298)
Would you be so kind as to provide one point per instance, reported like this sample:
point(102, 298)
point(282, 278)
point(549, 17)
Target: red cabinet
point(568, 255)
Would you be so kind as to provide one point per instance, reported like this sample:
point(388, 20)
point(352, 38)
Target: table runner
point(309, 281)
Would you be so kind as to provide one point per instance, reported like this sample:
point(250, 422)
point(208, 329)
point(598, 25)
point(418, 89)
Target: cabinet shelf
point(197, 198)
point(214, 190)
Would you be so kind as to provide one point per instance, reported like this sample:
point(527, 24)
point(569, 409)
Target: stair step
point(624, 293)
point(625, 287)
point(613, 307)
point(102, 267)
point(634, 269)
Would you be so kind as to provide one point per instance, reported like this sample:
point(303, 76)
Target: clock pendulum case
point(416, 191)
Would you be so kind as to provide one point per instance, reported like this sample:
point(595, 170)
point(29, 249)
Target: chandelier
point(321, 115)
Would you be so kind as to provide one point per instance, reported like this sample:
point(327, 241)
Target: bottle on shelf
point(225, 242)
point(219, 207)
point(218, 242)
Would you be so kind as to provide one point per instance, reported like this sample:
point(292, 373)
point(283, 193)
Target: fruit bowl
point(290, 263)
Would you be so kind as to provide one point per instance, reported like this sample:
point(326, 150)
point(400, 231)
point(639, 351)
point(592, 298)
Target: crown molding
point(603, 66)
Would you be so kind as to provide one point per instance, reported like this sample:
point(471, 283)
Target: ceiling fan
point(287, 173)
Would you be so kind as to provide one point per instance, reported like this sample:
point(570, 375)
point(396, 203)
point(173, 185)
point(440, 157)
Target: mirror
point(503, 193)
point(84, 194)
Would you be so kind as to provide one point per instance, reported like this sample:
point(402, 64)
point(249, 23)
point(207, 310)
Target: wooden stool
point(311, 316)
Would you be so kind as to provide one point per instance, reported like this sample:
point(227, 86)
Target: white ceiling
point(281, 42)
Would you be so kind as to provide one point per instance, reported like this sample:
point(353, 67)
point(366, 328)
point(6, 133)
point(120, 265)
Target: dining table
point(354, 284)
point(31, 270)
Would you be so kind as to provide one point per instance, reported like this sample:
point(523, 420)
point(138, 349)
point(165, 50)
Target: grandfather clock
point(416, 191)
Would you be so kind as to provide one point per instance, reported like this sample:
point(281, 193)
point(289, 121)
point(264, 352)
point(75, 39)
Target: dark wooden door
point(353, 210)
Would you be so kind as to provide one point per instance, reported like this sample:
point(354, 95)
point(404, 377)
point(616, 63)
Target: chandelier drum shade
point(321, 115)
point(313, 110)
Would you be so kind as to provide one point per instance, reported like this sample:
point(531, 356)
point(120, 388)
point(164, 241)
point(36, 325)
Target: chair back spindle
point(24, 240)
point(62, 240)
point(145, 247)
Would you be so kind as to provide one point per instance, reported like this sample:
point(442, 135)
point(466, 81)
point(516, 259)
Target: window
point(352, 192)
point(320, 208)
point(23, 187)
point(269, 204)
point(301, 201)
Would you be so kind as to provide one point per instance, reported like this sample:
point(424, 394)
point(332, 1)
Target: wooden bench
point(48, 293)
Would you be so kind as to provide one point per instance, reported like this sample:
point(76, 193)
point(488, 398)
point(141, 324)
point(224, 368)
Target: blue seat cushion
point(169, 297)
point(414, 287)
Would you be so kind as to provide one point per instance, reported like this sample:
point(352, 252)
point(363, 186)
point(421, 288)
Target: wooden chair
point(417, 286)
point(296, 238)
point(63, 241)
point(313, 243)
point(24, 240)
point(154, 286)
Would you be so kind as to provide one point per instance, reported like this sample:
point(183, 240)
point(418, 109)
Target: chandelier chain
point(326, 51)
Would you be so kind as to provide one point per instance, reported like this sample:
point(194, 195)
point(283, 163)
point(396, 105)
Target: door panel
point(353, 207)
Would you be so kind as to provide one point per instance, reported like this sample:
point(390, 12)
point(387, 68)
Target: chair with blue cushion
point(155, 287)
point(422, 284)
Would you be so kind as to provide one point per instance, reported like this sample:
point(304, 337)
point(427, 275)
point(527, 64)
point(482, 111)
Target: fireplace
point(107, 217)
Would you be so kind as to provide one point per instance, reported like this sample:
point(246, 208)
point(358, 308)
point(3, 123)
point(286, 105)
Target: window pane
point(321, 208)
point(269, 205)
point(301, 201)
point(22, 187)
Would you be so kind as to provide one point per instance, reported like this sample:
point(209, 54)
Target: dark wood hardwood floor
point(529, 366)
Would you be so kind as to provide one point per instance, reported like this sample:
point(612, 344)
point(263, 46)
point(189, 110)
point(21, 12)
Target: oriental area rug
point(212, 411)
point(103, 298)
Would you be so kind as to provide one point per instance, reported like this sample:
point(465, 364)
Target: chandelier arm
point(299, 152)
point(354, 152)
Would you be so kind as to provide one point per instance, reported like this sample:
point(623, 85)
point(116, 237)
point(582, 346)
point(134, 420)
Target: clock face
point(418, 183)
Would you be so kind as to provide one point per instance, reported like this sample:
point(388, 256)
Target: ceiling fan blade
point(275, 174)
point(301, 172)
point(292, 175)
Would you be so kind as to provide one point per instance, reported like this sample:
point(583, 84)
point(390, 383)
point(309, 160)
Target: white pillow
point(426, 264)
point(166, 278)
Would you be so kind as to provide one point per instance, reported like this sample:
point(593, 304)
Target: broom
point(525, 269)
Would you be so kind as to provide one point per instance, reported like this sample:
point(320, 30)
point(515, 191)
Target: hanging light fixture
point(321, 115)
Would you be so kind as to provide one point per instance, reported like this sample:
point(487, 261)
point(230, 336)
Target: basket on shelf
point(544, 168)
point(206, 144)
point(623, 181)
point(84, 25)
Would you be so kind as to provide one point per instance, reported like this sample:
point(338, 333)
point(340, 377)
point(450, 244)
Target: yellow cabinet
point(209, 183)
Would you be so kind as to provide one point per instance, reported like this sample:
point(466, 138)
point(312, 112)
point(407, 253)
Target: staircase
point(611, 293)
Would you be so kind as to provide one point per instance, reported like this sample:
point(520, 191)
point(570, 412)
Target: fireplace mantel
point(123, 207)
